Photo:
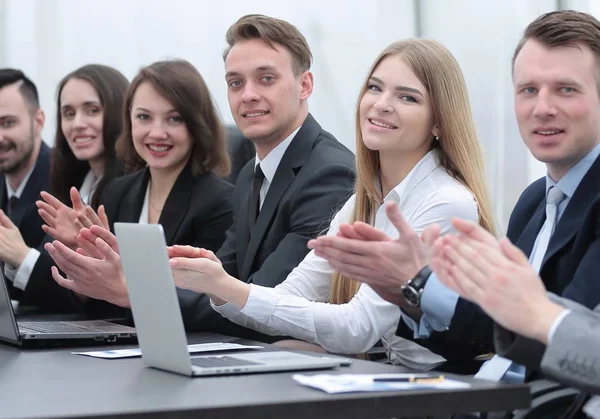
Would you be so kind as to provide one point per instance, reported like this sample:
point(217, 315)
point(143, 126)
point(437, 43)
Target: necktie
point(12, 205)
point(499, 368)
point(254, 198)
point(553, 200)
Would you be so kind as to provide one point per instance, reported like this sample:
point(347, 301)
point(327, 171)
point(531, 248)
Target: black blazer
point(569, 268)
point(197, 212)
point(314, 179)
point(241, 151)
point(41, 290)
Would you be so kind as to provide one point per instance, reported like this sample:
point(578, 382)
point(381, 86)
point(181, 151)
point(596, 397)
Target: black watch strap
point(413, 289)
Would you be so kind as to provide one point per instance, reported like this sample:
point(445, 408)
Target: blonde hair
point(459, 150)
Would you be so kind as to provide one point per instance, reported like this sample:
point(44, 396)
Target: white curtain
point(49, 38)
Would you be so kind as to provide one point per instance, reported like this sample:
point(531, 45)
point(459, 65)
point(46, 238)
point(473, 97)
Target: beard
point(9, 167)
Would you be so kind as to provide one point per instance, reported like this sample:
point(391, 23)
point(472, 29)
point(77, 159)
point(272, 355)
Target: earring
point(437, 138)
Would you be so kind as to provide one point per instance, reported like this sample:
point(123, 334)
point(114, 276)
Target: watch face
point(410, 295)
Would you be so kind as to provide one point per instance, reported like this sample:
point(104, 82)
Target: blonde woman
point(416, 145)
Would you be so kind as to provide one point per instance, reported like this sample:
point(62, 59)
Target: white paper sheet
point(348, 383)
point(197, 348)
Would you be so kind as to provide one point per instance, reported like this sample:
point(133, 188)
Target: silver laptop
point(43, 332)
point(158, 321)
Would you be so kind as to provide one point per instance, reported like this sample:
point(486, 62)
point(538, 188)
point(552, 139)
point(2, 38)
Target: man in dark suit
point(24, 168)
point(301, 174)
point(555, 74)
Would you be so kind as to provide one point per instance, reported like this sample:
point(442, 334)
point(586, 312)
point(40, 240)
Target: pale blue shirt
point(438, 302)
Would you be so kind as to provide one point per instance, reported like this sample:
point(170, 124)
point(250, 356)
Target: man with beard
point(24, 168)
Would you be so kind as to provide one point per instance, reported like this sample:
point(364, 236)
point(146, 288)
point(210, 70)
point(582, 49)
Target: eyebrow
point(398, 88)
point(146, 110)
point(261, 68)
point(91, 102)
point(560, 82)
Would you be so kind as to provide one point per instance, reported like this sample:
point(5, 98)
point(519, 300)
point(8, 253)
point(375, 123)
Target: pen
point(410, 379)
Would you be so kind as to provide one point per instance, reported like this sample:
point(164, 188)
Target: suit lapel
point(244, 182)
point(130, 208)
point(35, 184)
point(177, 204)
point(3, 192)
point(290, 164)
point(532, 229)
point(570, 221)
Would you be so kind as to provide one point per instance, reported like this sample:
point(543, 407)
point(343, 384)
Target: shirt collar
point(271, 161)
point(422, 169)
point(10, 192)
point(568, 183)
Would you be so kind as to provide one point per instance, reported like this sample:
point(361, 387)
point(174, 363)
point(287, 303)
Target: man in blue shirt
point(557, 103)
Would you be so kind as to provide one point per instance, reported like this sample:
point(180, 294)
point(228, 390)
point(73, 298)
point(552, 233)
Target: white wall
point(48, 38)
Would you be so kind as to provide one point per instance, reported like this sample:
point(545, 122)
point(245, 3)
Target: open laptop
point(158, 321)
point(45, 332)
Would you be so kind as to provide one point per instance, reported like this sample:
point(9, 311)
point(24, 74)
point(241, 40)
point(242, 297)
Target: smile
point(382, 124)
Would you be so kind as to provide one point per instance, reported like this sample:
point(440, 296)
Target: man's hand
point(497, 277)
point(13, 249)
point(368, 255)
point(101, 279)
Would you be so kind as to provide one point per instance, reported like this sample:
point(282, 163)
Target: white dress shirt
point(298, 307)
point(270, 163)
point(20, 275)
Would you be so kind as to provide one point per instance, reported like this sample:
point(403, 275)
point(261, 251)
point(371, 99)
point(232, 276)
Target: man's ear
point(39, 118)
point(307, 81)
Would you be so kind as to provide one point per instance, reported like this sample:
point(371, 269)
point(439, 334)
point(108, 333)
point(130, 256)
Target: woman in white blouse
point(89, 119)
point(416, 145)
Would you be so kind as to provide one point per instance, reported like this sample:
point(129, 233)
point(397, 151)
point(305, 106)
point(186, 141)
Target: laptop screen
point(8, 325)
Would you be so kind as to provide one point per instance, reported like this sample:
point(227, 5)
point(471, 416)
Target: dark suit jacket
point(197, 212)
point(41, 290)
point(241, 151)
point(569, 268)
point(314, 179)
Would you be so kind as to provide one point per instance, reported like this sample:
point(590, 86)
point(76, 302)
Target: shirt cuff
point(557, 323)
point(20, 276)
point(261, 303)
point(438, 303)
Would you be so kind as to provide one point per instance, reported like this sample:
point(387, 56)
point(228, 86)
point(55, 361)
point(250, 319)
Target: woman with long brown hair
point(416, 145)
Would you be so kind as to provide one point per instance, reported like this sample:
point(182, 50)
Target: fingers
point(51, 200)
point(106, 236)
point(50, 231)
point(106, 250)
point(47, 213)
point(66, 259)
point(430, 235)
point(393, 212)
point(76, 199)
point(513, 253)
point(339, 245)
point(87, 245)
point(6, 222)
point(474, 231)
point(63, 282)
point(348, 231)
point(369, 233)
point(183, 251)
point(87, 217)
point(103, 217)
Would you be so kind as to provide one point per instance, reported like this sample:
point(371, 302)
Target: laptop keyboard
point(221, 361)
point(51, 327)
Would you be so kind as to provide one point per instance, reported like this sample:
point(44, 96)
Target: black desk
point(54, 383)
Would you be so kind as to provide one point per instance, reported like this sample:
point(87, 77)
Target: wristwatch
point(413, 289)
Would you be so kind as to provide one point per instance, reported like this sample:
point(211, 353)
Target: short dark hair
point(65, 169)
point(181, 84)
point(272, 31)
point(27, 88)
point(564, 28)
